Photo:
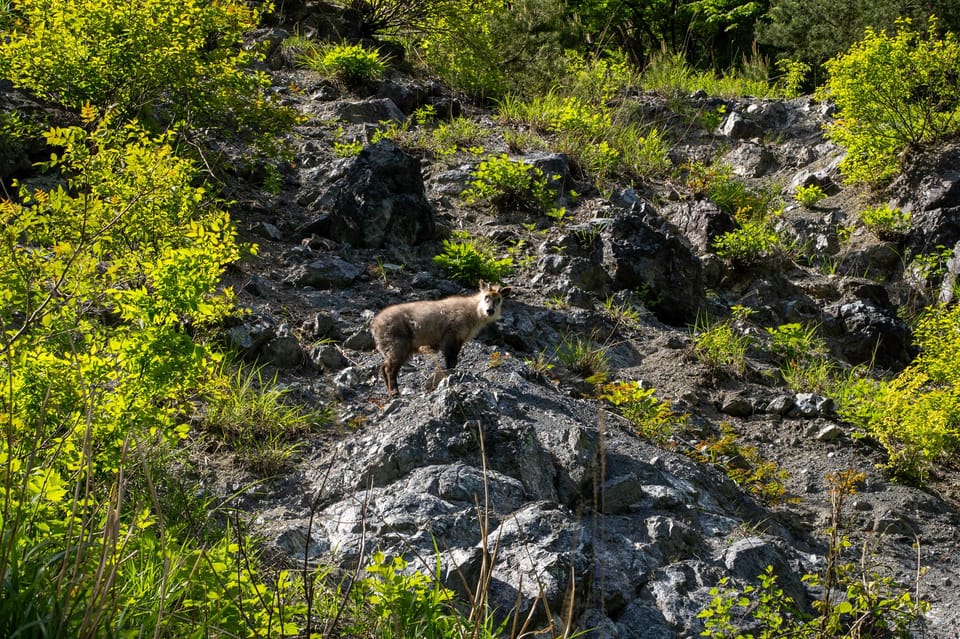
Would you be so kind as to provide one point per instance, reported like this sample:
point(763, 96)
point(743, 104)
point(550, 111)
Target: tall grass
point(669, 72)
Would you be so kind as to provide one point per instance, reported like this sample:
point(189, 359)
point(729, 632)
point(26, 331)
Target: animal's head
point(491, 300)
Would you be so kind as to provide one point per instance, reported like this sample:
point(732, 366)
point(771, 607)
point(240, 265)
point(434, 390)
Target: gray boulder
point(374, 200)
point(638, 255)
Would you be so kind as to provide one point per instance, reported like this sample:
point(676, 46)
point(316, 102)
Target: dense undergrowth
point(110, 289)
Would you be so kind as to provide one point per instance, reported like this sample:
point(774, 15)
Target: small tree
point(894, 92)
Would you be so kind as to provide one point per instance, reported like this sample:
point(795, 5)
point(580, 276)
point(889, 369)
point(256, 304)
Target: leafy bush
point(109, 280)
point(916, 415)
point(893, 92)
point(886, 222)
point(750, 244)
point(755, 239)
point(180, 61)
point(351, 63)
point(652, 417)
point(404, 604)
point(472, 260)
point(803, 359)
point(794, 342)
point(720, 345)
point(809, 196)
point(464, 49)
point(509, 185)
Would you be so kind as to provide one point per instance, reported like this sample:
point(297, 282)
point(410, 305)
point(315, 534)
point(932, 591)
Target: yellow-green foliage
point(469, 260)
point(669, 72)
point(400, 603)
point(809, 196)
point(744, 464)
point(852, 603)
point(887, 222)
point(184, 57)
point(101, 274)
point(256, 419)
point(509, 185)
point(652, 417)
point(755, 210)
point(720, 345)
point(351, 63)
point(916, 415)
point(893, 92)
point(463, 49)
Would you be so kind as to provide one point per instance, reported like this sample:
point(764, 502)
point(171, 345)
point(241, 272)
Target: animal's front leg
point(451, 353)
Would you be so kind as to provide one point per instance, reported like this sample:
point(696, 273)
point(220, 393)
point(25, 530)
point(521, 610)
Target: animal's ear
point(505, 290)
point(484, 286)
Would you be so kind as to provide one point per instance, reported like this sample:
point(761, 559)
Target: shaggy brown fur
point(441, 325)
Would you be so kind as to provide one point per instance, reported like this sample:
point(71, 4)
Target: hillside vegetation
point(136, 124)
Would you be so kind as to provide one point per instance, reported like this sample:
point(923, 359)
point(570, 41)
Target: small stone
point(360, 341)
point(737, 406)
point(829, 433)
point(812, 405)
point(271, 231)
point(283, 352)
point(328, 357)
point(780, 405)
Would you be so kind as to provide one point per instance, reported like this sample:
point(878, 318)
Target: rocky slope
point(508, 460)
point(584, 522)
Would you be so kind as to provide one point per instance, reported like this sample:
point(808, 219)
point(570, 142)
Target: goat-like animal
point(443, 326)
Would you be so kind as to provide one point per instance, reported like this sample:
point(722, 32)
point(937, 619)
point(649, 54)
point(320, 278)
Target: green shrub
point(793, 78)
point(809, 196)
point(109, 282)
point(720, 345)
point(803, 357)
point(351, 63)
point(750, 244)
point(651, 417)
point(465, 50)
point(402, 604)
point(472, 260)
point(509, 185)
point(180, 61)
point(886, 222)
point(893, 92)
point(853, 604)
point(915, 415)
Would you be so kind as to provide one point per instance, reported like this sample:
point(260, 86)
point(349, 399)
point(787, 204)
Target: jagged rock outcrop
point(559, 490)
point(641, 251)
point(374, 199)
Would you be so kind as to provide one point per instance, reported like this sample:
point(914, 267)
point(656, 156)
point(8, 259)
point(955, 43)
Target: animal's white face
point(490, 305)
point(491, 301)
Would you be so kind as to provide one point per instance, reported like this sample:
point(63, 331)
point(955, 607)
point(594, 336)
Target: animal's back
point(422, 323)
